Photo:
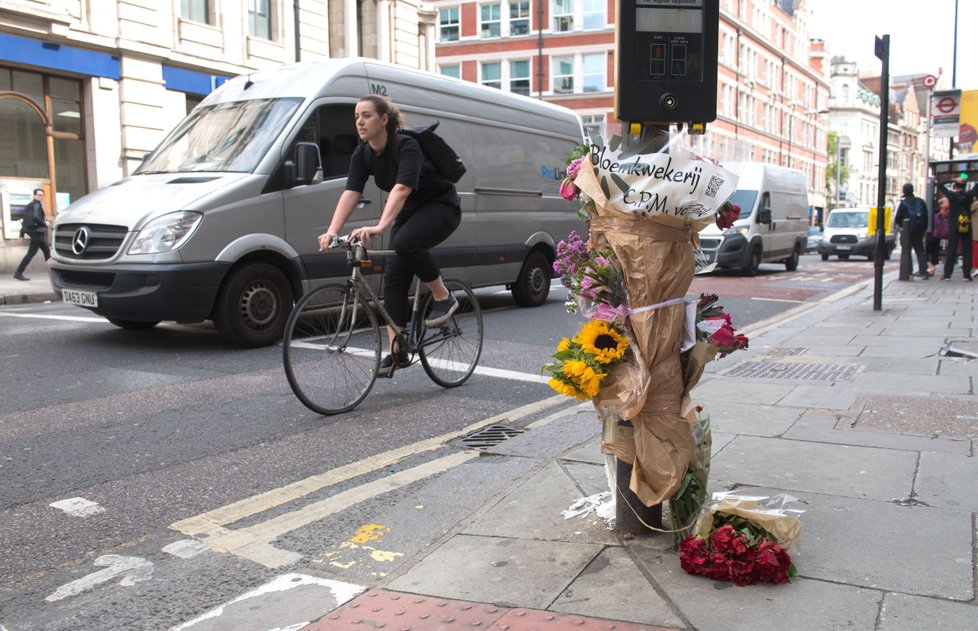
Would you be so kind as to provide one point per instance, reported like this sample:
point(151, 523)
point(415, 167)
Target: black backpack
point(918, 214)
point(437, 151)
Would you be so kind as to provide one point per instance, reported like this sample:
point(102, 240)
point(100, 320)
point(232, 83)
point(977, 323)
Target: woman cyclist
point(422, 210)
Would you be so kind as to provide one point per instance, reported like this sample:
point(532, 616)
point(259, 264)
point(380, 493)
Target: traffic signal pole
point(883, 54)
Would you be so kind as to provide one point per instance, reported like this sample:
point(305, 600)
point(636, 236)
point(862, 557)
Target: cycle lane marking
point(253, 542)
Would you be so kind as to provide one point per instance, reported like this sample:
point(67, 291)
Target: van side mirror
point(764, 216)
point(306, 163)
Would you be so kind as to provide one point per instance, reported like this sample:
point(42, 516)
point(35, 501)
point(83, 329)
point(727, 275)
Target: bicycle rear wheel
point(450, 352)
point(331, 349)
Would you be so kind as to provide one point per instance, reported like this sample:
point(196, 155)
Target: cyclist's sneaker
point(441, 310)
point(402, 360)
point(386, 368)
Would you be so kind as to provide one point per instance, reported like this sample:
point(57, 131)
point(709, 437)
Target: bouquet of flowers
point(713, 326)
point(744, 539)
point(593, 280)
point(569, 190)
point(585, 360)
point(727, 214)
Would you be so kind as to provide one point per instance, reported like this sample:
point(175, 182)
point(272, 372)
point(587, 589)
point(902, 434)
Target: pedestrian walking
point(914, 209)
point(422, 210)
point(35, 226)
point(959, 225)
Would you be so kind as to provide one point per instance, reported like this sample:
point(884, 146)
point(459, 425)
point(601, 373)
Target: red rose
point(722, 537)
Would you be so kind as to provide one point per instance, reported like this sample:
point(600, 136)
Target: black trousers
point(917, 245)
point(952, 253)
point(426, 227)
point(933, 250)
point(38, 242)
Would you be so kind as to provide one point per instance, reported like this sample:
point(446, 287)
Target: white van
point(847, 234)
point(221, 220)
point(773, 222)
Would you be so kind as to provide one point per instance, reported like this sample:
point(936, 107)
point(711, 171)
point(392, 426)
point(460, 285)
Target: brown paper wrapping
point(784, 528)
point(656, 256)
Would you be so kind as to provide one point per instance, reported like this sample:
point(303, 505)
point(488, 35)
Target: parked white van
point(773, 222)
point(221, 220)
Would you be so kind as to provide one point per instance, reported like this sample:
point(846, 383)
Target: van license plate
point(843, 248)
point(80, 298)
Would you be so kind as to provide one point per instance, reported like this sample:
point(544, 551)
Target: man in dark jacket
point(914, 209)
point(960, 206)
point(35, 226)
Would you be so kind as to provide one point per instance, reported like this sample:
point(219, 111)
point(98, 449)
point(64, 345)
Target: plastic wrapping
point(777, 515)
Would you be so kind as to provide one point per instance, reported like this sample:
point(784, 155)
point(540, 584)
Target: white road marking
point(132, 570)
point(41, 316)
point(341, 592)
point(185, 548)
point(253, 541)
point(78, 507)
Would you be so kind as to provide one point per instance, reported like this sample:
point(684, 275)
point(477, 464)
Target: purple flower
point(574, 168)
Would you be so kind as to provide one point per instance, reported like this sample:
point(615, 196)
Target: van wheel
point(253, 305)
point(791, 263)
point(754, 263)
point(132, 325)
point(825, 257)
point(533, 284)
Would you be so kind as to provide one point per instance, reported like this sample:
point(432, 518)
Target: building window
point(492, 74)
point(563, 74)
point(448, 24)
point(195, 10)
point(593, 124)
point(563, 16)
point(593, 76)
point(519, 77)
point(491, 18)
point(594, 14)
point(453, 70)
point(259, 19)
point(519, 17)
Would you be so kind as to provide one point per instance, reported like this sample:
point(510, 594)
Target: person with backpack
point(422, 210)
point(914, 209)
point(959, 223)
point(35, 226)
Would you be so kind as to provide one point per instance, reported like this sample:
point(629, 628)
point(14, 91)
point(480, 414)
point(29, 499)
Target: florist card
point(662, 184)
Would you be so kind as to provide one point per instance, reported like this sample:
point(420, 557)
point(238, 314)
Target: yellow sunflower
point(603, 341)
point(586, 378)
point(564, 344)
point(566, 389)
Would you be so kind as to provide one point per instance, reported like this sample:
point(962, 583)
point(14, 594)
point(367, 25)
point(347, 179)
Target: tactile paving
point(396, 611)
point(382, 609)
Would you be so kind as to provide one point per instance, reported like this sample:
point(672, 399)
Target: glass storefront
point(27, 100)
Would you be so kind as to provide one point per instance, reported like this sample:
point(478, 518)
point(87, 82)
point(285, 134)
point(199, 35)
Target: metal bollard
point(906, 251)
point(630, 512)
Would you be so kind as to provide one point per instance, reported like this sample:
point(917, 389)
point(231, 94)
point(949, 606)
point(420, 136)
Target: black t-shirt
point(401, 162)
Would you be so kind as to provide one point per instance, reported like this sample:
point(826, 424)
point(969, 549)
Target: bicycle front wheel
point(450, 352)
point(331, 349)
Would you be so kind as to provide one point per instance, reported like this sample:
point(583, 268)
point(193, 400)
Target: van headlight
point(742, 230)
point(166, 233)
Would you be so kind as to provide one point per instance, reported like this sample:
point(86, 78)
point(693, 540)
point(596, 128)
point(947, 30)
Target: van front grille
point(845, 238)
point(88, 242)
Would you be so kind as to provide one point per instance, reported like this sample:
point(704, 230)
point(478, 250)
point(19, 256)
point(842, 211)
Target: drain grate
point(490, 436)
point(789, 370)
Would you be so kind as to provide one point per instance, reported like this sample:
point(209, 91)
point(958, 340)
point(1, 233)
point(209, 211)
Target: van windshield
point(223, 137)
point(848, 220)
point(745, 199)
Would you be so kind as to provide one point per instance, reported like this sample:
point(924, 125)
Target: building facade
point(772, 85)
point(89, 87)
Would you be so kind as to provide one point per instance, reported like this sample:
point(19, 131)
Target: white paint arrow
point(132, 570)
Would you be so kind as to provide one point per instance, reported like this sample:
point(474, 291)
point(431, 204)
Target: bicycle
point(332, 341)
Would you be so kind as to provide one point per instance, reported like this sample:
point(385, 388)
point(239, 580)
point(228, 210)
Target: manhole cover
point(790, 370)
point(490, 436)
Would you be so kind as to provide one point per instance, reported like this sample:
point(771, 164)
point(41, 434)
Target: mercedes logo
point(79, 242)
